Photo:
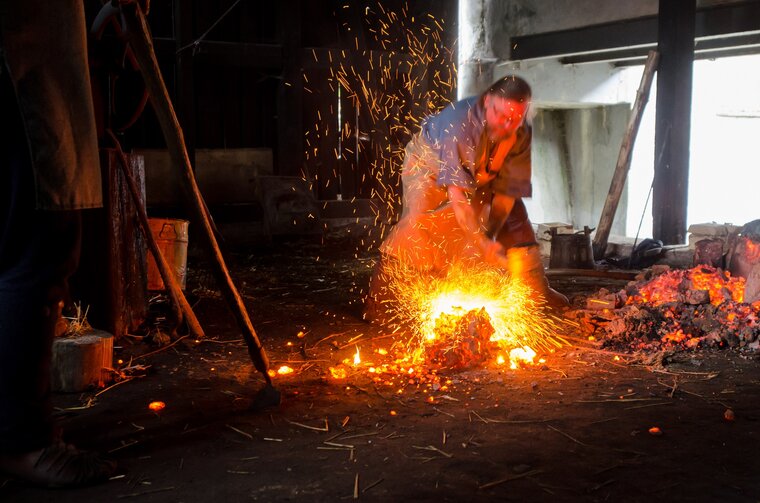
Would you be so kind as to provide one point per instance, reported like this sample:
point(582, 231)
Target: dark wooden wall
point(267, 75)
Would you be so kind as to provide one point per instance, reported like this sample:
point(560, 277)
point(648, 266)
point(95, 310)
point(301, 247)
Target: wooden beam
point(236, 54)
point(673, 121)
point(738, 45)
point(289, 154)
point(624, 159)
point(718, 22)
point(184, 85)
point(641, 32)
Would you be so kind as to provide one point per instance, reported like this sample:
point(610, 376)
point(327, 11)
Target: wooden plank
point(624, 158)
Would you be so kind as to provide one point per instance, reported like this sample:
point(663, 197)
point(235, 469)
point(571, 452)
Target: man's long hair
point(510, 87)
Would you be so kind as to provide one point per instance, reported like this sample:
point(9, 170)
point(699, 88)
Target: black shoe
point(58, 465)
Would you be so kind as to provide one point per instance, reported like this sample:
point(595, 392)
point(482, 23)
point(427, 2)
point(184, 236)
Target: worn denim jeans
point(39, 250)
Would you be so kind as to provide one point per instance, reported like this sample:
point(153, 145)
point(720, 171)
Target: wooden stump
point(111, 277)
point(752, 288)
point(82, 362)
point(709, 252)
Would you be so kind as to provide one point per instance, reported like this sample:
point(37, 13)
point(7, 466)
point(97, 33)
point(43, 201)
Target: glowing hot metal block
point(470, 316)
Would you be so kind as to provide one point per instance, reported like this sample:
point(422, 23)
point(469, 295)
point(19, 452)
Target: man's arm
point(501, 207)
point(468, 221)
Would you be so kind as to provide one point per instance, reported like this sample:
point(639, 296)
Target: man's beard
point(501, 137)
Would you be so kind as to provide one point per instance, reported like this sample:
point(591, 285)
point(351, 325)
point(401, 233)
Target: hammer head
point(267, 397)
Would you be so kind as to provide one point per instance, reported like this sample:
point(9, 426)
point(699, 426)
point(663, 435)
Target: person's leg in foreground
point(524, 257)
point(39, 250)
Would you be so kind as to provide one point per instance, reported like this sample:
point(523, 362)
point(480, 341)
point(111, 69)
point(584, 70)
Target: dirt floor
point(584, 426)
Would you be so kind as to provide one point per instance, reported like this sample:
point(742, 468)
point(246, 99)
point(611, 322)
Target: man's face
point(504, 116)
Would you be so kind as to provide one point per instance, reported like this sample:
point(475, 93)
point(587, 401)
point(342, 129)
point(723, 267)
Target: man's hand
point(464, 212)
point(493, 252)
point(501, 207)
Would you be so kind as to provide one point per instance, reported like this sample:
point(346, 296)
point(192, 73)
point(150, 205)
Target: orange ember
point(338, 372)
point(521, 356)
point(669, 287)
point(284, 370)
point(699, 307)
point(157, 406)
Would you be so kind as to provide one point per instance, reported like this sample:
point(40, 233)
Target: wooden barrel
point(571, 251)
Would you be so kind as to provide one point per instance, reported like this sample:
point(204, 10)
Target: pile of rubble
point(673, 309)
point(463, 341)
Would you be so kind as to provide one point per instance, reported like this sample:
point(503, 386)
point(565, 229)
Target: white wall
point(564, 86)
point(552, 186)
point(574, 155)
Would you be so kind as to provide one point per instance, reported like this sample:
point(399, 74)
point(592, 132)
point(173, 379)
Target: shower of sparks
point(370, 98)
point(394, 71)
point(516, 313)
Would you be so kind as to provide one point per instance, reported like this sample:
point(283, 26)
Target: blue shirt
point(455, 133)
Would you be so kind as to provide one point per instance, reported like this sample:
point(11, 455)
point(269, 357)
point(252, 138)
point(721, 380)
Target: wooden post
point(111, 275)
point(624, 158)
point(170, 281)
point(676, 26)
point(138, 36)
point(290, 130)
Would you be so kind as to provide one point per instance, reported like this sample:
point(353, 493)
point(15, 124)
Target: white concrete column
point(476, 57)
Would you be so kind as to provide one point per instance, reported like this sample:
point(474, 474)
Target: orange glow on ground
point(157, 406)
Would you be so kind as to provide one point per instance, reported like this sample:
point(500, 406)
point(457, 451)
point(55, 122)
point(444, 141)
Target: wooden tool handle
point(139, 39)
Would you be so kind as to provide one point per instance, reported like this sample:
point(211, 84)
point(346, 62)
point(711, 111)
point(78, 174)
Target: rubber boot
point(524, 263)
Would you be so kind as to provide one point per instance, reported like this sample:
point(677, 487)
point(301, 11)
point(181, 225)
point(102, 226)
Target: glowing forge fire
point(471, 315)
point(670, 286)
point(682, 309)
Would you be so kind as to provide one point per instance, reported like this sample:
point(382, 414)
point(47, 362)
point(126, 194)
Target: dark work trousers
point(517, 230)
point(39, 250)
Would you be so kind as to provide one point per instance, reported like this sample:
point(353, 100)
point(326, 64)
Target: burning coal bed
point(678, 309)
point(468, 319)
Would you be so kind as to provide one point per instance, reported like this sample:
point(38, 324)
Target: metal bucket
point(171, 238)
point(571, 251)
